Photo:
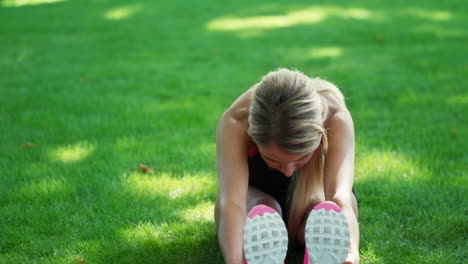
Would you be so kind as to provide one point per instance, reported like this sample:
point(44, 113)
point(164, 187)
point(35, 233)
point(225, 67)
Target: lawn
point(91, 89)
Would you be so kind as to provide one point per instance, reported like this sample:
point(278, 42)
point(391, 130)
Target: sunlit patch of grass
point(72, 153)
point(123, 143)
point(439, 30)
point(163, 185)
point(325, 52)
point(436, 16)
point(144, 232)
point(300, 17)
point(357, 13)
point(163, 233)
point(368, 255)
point(44, 187)
point(389, 164)
point(18, 3)
point(202, 212)
point(122, 12)
point(461, 99)
point(290, 19)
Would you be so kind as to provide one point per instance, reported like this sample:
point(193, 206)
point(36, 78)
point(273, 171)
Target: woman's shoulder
point(337, 110)
point(236, 118)
point(239, 110)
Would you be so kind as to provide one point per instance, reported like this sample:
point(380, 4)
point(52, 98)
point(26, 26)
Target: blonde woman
point(285, 159)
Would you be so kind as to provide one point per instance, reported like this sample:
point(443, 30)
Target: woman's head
point(283, 161)
point(288, 112)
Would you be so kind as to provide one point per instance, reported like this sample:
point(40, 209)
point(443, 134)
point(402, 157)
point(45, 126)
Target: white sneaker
point(326, 235)
point(265, 236)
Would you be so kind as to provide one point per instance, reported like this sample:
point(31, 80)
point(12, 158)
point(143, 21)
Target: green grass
point(102, 86)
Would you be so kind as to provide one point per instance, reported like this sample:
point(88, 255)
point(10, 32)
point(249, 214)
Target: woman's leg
point(254, 197)
point(265, 234)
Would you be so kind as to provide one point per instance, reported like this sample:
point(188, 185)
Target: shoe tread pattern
point(265, 239)
point(327, 237)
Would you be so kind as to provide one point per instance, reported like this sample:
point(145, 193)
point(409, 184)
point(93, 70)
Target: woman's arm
point(339, 173)
point(231, 154)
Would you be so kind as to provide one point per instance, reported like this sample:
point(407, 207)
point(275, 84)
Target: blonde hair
point(288, 110)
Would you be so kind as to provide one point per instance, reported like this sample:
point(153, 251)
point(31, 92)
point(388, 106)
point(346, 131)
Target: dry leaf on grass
point(28, 145)
point(380, 38)
point(145, 168)
point(80, 260)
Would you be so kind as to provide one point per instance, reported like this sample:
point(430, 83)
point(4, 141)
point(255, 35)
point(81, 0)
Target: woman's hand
point(352, 259)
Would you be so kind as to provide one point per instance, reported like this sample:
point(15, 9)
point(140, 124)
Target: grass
point(101, 86)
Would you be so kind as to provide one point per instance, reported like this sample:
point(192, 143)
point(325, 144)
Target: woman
point(286, 143)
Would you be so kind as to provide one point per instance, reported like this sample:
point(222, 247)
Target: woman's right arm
point(232, 165)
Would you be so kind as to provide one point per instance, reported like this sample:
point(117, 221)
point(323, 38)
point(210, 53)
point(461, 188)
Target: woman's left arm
point(339, 174)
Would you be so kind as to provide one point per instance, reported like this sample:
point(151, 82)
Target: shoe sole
point(327, 235)
point(265, 236)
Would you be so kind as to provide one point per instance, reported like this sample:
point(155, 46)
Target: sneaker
point(265, 236)
point(326, 235)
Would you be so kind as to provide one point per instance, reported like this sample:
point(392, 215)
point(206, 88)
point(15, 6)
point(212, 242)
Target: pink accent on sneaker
point(306, 256)
point(260, 209)
point(328, 206)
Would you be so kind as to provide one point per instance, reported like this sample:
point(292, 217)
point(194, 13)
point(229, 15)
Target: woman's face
point(283, 161)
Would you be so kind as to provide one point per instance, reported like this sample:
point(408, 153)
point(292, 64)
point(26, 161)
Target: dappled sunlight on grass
point(439, 30)
point(457, 99)
point(143, 232)
point(44, 187)
point(393, 166)
point(168, 242)
point(430, 15)
point(413, 98)
point(72, 153)
point(165, 233)
point(122, 12)
point(125, 143)
point(290, 19)
point(325, 52)
point(304, 16)
point(368, 255)
point(355, 13)
point(460, 99)
point(163, 185)
point(203, 212)
point(17, 3)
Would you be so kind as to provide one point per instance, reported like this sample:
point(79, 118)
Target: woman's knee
point(270, 202)
point(348, 201)
point(256, 197)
